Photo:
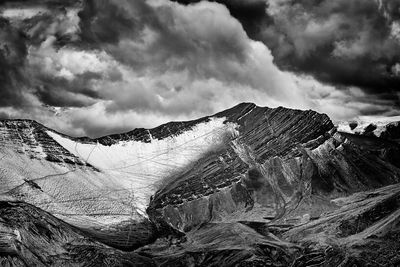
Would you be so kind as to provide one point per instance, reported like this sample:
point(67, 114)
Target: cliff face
point(281, 165)
point(30, 138)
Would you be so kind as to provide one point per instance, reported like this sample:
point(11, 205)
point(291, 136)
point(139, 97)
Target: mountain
point(387, 127)
point(248, 186)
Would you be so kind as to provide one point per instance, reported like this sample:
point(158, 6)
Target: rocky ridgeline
point(30, 138)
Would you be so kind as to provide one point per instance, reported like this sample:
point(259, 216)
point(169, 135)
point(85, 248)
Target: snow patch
point(140, 166)
point(364, 121)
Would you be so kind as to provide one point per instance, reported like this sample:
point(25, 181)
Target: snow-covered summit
point(371, 126)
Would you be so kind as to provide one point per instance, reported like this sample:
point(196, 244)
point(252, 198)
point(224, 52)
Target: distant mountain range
point(249, 186)
point(387, 128)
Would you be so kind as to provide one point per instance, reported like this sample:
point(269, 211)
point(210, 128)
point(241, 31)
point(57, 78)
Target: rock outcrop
point(282, 165)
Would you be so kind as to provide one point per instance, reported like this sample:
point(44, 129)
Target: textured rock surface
point(282, 165)
point(55, 172)
point(248, 186)
point(30, 138)
point(31, 237)
point(36, 169)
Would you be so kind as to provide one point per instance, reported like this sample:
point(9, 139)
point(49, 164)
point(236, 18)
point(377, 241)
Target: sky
point(95, 67)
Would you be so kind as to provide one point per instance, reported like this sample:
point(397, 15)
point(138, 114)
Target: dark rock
point(32, 237)
point(287, 163)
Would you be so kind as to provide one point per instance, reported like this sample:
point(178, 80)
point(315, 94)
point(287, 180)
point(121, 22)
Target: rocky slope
point(36, 169)
point(282, 165)
point(101, 185)
point(32, 237)
point(363, 230)
point(248, 186)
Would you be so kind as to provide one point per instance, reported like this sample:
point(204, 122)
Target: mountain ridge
point(247, 169)
point(244, 107)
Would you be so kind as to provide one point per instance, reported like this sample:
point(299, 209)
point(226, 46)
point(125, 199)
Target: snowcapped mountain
point(385, 127)
point(277, 175)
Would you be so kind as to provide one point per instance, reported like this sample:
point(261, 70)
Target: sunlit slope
point(94, 181)
point(36, 169)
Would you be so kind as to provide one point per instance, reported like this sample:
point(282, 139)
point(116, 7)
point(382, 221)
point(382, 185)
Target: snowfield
point(119, 188)
point(125, 176)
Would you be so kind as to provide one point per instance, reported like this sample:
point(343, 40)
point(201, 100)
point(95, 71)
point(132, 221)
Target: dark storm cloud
point(350, 43)
point(119, 64)
point(341, 42)
point(118, 59)
point(250, 13)
point(60, 92)
point(42, 21)
point(115, 25)
point(13, 52)
point(108, 21)
point(344, 43)
point(164, 38)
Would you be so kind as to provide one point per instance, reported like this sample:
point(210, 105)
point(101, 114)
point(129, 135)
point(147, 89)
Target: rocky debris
point(362, 231)
point(126, 236)
point(223, 244)
point(30, 236)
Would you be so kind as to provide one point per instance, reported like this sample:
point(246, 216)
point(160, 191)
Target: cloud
point(13, 51)
point(343, 43)
point(200, 42)
point(100, 67)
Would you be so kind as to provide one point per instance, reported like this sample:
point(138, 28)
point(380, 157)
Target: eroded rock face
point(101, 185)
point(30, 138)
point(362, 230)
point(283, 165)
point(223, 244)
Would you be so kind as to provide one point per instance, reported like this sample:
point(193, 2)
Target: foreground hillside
point(32, 237)
point(248, 186)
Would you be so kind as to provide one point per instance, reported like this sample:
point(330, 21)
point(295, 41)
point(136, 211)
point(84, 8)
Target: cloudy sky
point(93, 67)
